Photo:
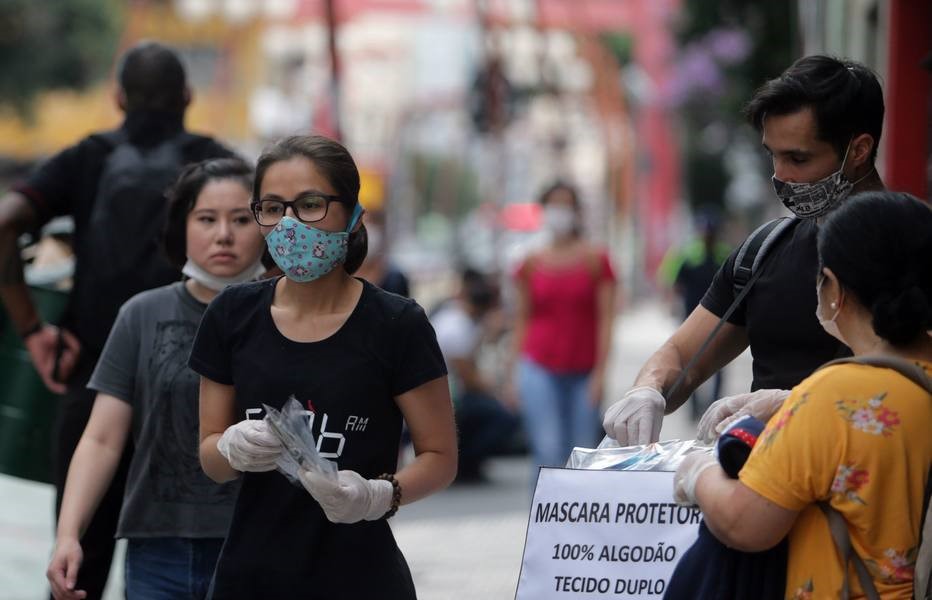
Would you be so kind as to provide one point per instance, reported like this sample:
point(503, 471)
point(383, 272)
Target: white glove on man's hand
point(250, 446)
point(686, 476)
point(351, 498)
point(761, 404)
point(636, 418)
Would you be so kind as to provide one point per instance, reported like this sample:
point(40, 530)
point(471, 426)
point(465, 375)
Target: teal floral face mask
point(305, 253)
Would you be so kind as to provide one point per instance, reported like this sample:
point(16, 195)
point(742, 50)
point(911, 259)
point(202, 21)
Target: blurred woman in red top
point(565, 300)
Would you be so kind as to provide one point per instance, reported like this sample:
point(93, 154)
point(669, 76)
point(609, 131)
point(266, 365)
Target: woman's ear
point(831, 287)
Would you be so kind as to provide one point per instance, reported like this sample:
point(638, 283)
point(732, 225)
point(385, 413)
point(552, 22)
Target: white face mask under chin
point(217, 284)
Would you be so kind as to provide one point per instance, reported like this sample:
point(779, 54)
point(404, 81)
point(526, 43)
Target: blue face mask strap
point(354, 218)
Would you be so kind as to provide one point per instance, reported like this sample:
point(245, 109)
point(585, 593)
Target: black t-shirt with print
point(280, 543)
point(787, 342)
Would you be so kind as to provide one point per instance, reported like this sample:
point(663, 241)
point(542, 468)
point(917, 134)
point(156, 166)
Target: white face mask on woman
point(829, 325)
point(559, 220)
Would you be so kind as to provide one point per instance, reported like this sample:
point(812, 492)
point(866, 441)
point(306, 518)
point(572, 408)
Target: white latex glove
point(761, 404)
point(351, 498)
point(250, 446)
point(687, 474)
point(636, 418)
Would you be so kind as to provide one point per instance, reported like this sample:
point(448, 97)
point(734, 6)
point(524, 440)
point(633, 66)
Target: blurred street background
point(458, 113)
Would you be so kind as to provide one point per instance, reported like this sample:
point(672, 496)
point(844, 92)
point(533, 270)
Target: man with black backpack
point(820, 122)
point(112, 185)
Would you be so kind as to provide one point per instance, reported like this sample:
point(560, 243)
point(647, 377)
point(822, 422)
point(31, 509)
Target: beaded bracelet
point(396, 494)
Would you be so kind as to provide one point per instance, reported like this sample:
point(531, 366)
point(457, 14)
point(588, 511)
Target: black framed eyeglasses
point(308, 208)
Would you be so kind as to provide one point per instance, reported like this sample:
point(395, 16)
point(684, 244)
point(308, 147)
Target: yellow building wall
point(220, 105)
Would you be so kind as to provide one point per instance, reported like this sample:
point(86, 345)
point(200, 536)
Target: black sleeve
point(210, 354)
point(52, 187)
point(417, 357)
point(721, 292)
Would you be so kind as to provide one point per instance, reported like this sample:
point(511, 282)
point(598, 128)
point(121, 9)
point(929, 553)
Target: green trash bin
point(27, 408)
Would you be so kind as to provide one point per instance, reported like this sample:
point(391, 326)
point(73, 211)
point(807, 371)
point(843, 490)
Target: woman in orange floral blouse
point(853, 435)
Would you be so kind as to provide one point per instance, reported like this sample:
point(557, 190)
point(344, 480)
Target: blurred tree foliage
point(54, 44)
point(712, 120)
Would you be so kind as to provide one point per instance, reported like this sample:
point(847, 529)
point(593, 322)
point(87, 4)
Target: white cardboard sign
point(603, 534)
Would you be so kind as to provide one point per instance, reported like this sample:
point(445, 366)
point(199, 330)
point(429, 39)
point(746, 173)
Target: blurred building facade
point(894, 38)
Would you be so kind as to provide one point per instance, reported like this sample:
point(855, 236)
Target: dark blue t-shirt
point(280, 543)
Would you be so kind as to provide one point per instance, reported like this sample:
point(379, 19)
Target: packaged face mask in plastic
point(290, 426)
point(659, 456)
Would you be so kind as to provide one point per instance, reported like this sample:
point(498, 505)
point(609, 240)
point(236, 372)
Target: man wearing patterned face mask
point(820, 122)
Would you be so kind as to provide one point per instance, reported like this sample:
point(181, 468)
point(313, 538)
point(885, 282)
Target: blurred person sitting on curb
point(484, 424)
point(360, 361)
point(565, 295)
point(688, 270)
point(174, 517)
point(848, 454)
point(112, 185)
point(378, 268)
point(821, 123)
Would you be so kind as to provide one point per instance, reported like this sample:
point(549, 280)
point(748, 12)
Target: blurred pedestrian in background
point(113, 185)
point(484, 424)
point(359, 359)
point(689, 270)
point(565, 297)
point(378, 268)
point(173, 515)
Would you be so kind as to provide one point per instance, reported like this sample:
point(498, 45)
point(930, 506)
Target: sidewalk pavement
point(463, 543)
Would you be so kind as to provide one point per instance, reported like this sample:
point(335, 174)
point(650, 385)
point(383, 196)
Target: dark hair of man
point(334, 162)
point(480, 292)
point(182, 197)
point(845, 97)
point(152, 78)
point(878, 245)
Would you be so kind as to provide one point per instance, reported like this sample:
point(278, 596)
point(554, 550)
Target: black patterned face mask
point(811, 200)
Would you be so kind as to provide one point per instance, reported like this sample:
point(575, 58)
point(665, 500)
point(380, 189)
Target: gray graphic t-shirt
point(144, 363)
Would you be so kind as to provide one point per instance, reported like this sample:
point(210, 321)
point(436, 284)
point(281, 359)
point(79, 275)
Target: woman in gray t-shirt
point(174, 517)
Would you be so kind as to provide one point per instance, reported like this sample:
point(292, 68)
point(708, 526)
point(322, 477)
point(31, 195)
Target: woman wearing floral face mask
point(852, 436)
point(358, 358)
point(563, 324)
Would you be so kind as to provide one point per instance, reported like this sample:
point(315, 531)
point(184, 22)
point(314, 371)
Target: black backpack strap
point(750, 257)
point(752, 252)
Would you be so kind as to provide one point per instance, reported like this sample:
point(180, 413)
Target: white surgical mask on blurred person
point(217, 284)
point(559, 220)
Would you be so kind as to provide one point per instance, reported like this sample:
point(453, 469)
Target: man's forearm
point(660, 372)
point(13, 291)
point(16, 217)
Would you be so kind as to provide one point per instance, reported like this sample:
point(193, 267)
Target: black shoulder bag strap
point(836, 522)
point(747, 269)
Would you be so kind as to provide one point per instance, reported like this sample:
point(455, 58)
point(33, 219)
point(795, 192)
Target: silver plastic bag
point(290, 426)
point(659, 456)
